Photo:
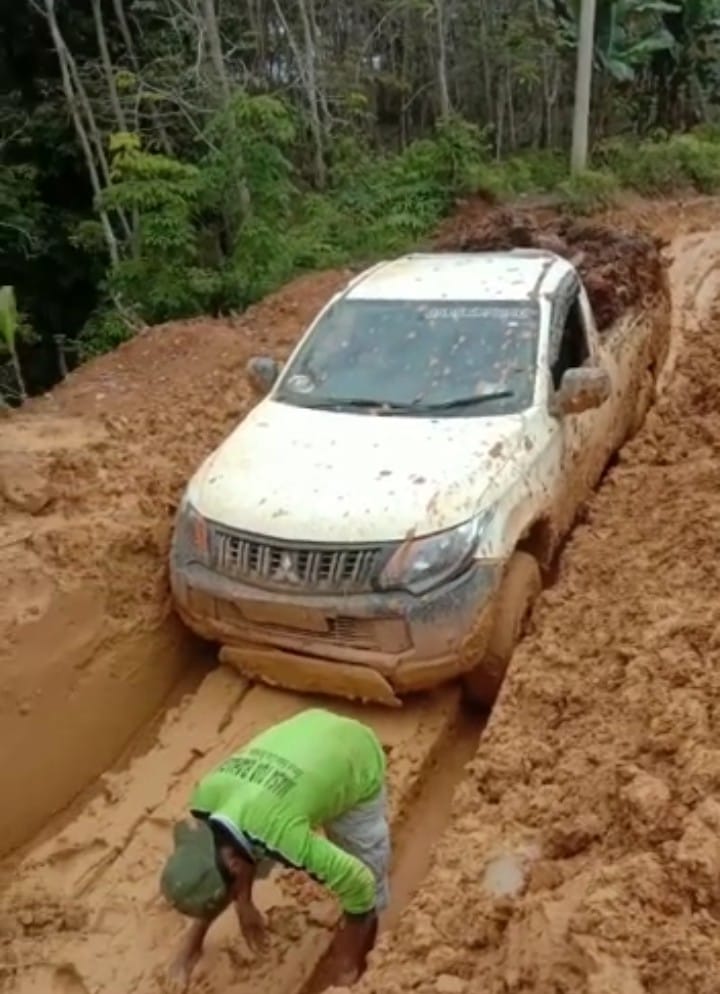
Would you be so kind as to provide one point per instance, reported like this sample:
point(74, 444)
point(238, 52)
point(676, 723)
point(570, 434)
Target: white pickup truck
point(378, 523)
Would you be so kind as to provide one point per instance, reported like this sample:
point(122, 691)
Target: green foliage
point(627, 34)
point(20, 211)
point(381, 205)
point(589, 191)
point(13, 326)
point(214, 193)
point(9, 320)
point(664, 165)
point(105, 330)
point(160, 275)
point(218, 233)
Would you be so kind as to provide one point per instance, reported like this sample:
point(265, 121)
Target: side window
point(573, 349)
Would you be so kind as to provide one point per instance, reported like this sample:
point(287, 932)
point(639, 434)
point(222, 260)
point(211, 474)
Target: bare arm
point(249, 918)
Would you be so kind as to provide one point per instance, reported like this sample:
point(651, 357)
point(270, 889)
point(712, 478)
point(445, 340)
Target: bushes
point(589, 191)
point(664, 165)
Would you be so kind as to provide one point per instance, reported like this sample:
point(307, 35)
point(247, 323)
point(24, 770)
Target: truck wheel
point(520, 588)
point(646, 395)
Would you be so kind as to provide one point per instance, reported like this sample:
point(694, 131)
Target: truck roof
point(515, 275)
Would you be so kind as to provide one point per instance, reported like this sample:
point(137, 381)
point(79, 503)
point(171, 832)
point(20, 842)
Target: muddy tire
point(520, 588)
point(645, 398)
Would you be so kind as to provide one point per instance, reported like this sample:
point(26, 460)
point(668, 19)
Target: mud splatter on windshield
point(419, 355)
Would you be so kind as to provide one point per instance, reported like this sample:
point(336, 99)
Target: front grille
point(291, 566)
point(354, 633)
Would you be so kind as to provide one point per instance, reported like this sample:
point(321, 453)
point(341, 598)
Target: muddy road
point(85, 915)
point(597, 778)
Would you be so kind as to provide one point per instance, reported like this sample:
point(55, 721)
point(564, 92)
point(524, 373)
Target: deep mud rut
point(595, 791)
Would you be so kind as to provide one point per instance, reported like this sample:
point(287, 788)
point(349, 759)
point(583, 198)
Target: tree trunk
point(443, 89)
point(132, 56)
point(70, 96)
point(306, 64)
point(107, 66)
point(215, 47)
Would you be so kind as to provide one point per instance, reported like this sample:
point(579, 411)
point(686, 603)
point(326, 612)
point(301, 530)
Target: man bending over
point(264, 805)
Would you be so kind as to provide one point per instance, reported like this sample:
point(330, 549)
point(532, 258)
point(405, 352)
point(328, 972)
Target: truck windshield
point(445, 358)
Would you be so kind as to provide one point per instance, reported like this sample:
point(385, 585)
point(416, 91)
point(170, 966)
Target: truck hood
point(318, 476)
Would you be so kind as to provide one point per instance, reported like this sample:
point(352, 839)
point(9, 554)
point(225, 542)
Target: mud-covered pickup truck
point(379, 522)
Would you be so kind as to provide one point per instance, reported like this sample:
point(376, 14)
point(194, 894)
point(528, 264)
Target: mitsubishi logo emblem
point(286, 570)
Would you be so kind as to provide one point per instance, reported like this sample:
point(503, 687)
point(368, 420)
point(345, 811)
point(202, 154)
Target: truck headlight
point(423, 563)
point(191, 537)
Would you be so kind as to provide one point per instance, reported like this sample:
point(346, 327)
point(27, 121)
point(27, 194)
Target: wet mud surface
point(82, 911)
point(582, 852)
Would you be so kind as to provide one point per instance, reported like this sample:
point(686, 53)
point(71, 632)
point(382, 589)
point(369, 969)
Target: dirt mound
point(584, 853)
point(90, 477)
point(621, 268)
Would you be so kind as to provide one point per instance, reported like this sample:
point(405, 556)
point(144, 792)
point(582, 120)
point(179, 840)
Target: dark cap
point(191, 880)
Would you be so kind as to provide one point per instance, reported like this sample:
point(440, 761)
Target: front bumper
point(369, 646)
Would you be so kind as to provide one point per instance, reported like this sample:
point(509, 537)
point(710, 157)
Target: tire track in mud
point(598, 778)
point(85, 916)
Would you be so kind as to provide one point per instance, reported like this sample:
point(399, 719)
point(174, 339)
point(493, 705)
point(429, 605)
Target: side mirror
point(262, 373)
point(582, 389)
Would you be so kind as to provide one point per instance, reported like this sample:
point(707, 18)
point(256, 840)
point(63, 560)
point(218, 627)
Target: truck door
point(572, 344)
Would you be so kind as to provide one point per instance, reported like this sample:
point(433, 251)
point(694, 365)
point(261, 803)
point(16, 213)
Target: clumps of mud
point(621, 268)
point(25, 916)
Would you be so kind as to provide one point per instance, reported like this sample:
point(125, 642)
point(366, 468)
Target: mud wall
point(71, 699)
point(90, 477)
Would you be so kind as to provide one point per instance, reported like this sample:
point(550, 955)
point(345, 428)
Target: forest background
point(166, 158)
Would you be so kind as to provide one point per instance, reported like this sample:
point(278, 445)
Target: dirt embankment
point(583, 855)
point(89, 479)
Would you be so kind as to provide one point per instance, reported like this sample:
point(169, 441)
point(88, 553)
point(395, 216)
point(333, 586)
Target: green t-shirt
point(293, 778)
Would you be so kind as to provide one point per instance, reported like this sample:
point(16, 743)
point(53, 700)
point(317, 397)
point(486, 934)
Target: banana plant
point(9, 333)
point(627, 32)
point(697, 33)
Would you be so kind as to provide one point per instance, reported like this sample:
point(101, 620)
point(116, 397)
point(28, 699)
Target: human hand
point(346, 958)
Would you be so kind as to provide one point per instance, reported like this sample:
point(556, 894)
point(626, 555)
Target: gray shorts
point(364, 832)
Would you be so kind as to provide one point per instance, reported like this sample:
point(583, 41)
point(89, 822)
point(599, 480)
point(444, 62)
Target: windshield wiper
point(323, 403)
point(392, 407)
point(451, 405)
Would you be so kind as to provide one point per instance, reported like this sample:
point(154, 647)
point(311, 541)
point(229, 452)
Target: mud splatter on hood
point(316, 476)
